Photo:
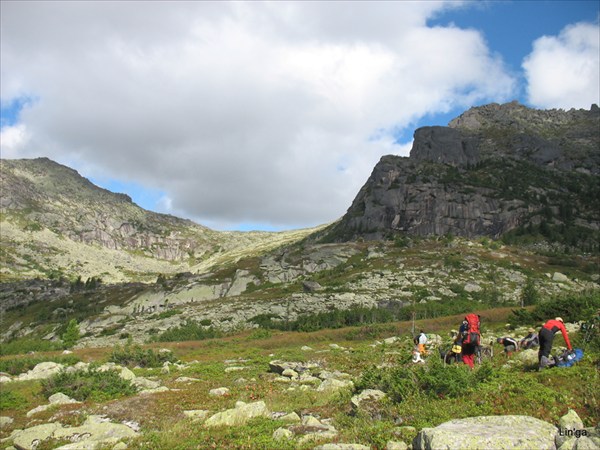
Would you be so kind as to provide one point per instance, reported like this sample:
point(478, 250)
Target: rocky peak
point(493, 169)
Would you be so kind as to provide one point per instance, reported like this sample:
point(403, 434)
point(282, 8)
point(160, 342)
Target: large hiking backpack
point(472, 335)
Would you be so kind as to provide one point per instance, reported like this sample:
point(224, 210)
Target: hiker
point(470, 338)
point(419, 340)
point(510, 344)
point(530, 341)
point(546, 334)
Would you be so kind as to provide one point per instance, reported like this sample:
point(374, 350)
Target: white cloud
point(564, 71)
point(239, 112)
point(12, 140)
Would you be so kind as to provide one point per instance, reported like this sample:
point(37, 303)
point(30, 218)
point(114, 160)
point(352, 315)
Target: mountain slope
point(494, 169)
point(55, 222)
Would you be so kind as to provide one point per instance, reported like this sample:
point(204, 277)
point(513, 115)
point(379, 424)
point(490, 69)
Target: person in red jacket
point(547, 332)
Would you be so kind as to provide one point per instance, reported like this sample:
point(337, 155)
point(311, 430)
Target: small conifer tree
point(71, 335)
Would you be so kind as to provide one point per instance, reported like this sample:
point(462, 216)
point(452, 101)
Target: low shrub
point(15, 366)
point(22, 346)
point(188, 331)
point(433, 380)
point(11, 400)
point(89, 384)
point(134, 355)
point(572, 307)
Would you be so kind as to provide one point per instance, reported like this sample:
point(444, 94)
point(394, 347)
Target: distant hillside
point(494, 170)
point(55, 222)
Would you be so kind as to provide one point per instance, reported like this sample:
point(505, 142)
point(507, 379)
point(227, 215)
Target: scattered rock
point(332, 385)
point(41, 371)
point(367, 401)
point(291, 418)
point(219, 392)
point(311, 286)
point(282, 434)
point(185, 380)
point(560, 277)
point(5, 421)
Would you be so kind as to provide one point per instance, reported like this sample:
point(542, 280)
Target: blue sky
point(271, 115)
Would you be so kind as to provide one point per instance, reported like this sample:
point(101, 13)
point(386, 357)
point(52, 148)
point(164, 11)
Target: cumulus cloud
point(268, 113)
point(564, 71)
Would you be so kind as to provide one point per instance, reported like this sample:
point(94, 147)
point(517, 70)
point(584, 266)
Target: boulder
point(5, 421)
point(29, 438)
point(311, 286)
point(96, 432)
point(41, 371)
point(560, 277)
point(368, 395)
point(333, 385)
point(527, 357)
point(219, 392)
point(282, 434)
point(239, 415)
point(506, 432)
point(291, 418)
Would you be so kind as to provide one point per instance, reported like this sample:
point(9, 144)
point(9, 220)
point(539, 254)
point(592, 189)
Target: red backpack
point(472, 334)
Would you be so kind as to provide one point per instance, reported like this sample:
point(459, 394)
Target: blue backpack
point(568, 358)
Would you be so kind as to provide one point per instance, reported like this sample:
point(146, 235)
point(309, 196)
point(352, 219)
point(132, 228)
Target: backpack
point(471, 334)
point(416, 339)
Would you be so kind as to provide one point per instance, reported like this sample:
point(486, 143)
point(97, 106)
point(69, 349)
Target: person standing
point(546, 335)
point(470, 332)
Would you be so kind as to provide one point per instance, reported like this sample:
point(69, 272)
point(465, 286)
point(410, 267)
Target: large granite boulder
point(239, 415)
point(488, 432)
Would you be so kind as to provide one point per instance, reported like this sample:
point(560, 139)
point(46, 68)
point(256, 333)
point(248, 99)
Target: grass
point(430, 397)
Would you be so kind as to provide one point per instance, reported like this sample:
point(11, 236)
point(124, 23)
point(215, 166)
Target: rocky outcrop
point(95, 432)
point(506, 432)
point(494, 169)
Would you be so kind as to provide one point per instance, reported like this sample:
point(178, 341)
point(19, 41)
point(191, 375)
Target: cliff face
point(494, 169)
point(43, 194)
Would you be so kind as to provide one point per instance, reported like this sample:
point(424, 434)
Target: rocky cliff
point(494, 169)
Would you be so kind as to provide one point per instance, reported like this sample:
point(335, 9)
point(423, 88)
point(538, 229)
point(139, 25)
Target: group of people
point(468, 339)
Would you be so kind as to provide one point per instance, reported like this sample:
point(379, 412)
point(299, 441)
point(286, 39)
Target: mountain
point(57, 223)
point(416, 240)
point(494, 170)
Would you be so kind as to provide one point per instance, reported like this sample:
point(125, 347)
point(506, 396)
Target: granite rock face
point(493, 169)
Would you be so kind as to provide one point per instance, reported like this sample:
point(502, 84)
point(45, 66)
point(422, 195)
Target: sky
point(270, 115)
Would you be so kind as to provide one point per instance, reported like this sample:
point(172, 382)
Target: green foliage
point(15, 366)
point(434, 380)
point(134, 355)
point(330, 319)
point(11, 400)
point(88, 384)
point(166, 314)
point(260, 333)
point(71, 335)
point(572, 307)
point(189, 331)
point(26, 345)
point(529, 295)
